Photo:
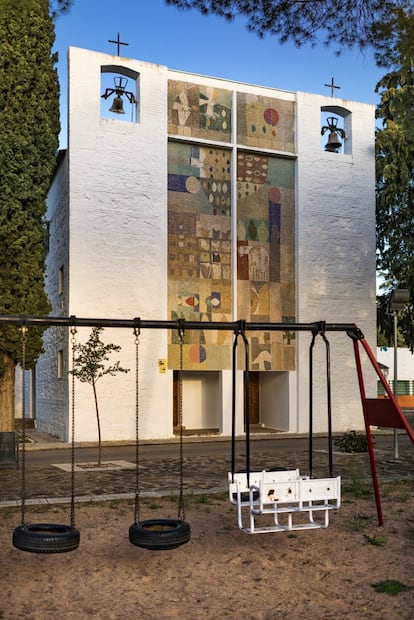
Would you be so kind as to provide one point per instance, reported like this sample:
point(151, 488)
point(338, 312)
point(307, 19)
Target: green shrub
point(351, 441)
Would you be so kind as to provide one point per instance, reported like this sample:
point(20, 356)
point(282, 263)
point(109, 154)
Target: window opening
point(60, 364)
point(61, 281)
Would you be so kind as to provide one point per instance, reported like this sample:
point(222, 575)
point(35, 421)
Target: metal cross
point(332, 86)
point(118, 42)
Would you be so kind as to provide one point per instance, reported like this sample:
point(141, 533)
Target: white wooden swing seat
point(282, 493)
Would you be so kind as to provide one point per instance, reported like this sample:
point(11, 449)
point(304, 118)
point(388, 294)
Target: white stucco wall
point(118, 239)
point(335, 254)
point(51, 391)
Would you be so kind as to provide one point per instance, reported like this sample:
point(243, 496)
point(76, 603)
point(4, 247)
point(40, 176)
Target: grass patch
point(153, 505)
point(358, 487)
point(390, 586)
point(360, 522)
point(375, 541)
point(202, 499)
point(119, 505)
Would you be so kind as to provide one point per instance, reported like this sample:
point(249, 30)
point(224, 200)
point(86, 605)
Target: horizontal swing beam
point(74, 321)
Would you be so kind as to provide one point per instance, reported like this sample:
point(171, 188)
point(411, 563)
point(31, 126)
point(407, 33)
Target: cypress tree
point(29, 129)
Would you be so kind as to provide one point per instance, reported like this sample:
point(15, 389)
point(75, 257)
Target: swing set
point(282, 498)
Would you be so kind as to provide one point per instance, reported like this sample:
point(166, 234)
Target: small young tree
point(90, 365)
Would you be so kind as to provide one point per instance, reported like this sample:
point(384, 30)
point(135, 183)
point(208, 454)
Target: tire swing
point(158, 534)
point(45, 537)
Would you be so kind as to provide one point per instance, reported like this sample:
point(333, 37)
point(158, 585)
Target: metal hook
point(181, 330)
point(137, 328)
point(24, 330)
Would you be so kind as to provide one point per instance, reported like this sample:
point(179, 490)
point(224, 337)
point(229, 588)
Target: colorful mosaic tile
point(265, 261)
point(199, 111)
point(199, 251)
point(265, 122)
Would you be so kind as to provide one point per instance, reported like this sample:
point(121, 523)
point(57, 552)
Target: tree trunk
point(99, 425)
point(7, 395)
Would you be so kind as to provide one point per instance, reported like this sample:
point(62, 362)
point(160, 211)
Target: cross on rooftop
point(118, 42)
point(332, 86)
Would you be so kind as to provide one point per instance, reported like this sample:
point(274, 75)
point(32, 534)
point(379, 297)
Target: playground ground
point(222, 572)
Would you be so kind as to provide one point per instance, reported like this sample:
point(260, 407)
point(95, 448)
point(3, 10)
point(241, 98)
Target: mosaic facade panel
point(199, 252)
point(265, 122)
point(266, 255)
point(199, 111)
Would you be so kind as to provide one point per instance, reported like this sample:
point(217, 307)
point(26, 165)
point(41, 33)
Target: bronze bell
point(117, 106)
point(333, 143)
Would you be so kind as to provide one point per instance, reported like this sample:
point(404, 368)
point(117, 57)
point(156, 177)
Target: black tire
point(245, 495)
point(159, 534)
point(46, 538)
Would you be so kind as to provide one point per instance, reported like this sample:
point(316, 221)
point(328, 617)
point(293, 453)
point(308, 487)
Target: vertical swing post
point(137, 333)
point(328, 398)
point(246, 388)
point(310, 441)
point(315, 332)
point(181, 506)
point(23, 331)
point(368, 431)
point(73, 332)
point(233, 404)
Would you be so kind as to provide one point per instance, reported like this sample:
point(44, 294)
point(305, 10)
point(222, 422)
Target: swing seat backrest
point(238, 487)
point(279, 487)
point(298, 493)
point(321, 490)
point(284, 475)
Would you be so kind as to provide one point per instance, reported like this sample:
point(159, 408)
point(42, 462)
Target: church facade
point(198, 198)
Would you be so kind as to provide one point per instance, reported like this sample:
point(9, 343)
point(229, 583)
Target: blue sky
point(189, 41)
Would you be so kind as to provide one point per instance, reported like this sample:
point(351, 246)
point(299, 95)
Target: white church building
point(209, 200)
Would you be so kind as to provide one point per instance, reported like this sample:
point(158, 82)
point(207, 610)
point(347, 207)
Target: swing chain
point(137, 332)
point(23, 331)
point(181, 506)
point(73, 332)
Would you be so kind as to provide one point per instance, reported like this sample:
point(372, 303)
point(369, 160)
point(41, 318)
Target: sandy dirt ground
point(222, 572)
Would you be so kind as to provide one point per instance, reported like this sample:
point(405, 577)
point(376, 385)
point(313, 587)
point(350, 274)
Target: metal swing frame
point(377, 412)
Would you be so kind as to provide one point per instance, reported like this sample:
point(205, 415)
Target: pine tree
point(29, 129)
point(342, 23)
point(395, 168)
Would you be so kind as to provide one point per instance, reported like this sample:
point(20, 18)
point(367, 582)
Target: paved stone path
point(201, 474)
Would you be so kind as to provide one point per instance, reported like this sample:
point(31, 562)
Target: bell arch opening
point(336, 129)
point(119, 93)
